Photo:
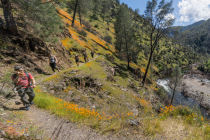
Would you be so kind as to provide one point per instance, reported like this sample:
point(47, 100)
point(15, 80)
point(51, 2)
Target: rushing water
point(180, 99)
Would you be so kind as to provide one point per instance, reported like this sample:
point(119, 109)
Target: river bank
point(193, 91)
point(198, 88)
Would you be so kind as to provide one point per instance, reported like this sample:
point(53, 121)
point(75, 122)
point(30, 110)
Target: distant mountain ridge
point(194, 25)
point(196, 35)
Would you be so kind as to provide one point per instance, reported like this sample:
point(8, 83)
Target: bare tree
point(176, 76)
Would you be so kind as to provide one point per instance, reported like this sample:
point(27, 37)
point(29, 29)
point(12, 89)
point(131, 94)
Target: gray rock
point(59, 87)
point(52, 91)
point(133, 122)
point(135, 112)
point(124, 89)
point(2, 133)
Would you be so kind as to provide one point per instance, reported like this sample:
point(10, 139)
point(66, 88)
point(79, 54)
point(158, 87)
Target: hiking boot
point(17, 103)
point(24, 108)
point(27, 108)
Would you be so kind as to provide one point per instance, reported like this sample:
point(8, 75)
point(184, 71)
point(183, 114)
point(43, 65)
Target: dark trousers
point(26, 91)
point(53, 66)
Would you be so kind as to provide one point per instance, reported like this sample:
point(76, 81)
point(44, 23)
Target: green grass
point(152, 127)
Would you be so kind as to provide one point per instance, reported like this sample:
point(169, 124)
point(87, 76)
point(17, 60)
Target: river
point(180, 99)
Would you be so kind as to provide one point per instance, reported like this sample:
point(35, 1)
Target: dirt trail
point(80, 64)
point(51, 126)
point(61, 129)
point(58, 128)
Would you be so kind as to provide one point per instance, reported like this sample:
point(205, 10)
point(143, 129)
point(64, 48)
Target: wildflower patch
point(73, 111)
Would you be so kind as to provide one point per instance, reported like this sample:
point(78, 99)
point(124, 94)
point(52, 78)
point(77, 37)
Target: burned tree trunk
point(9, 19)
point(75, 11)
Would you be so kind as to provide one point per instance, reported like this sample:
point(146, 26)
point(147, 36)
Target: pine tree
point(97, 4)
point(84, 7)
point(125, 35)
point(158, 20)
point(106, 11)
point(42, 18)
point(80, 7)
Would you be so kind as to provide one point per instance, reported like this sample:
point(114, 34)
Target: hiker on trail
point(85, 55)
point(53, 60)
point(77, 59)
point(113, 71)
point(24, 84)
point(92, 53)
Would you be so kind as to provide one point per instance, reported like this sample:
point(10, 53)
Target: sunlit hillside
point(100, 95)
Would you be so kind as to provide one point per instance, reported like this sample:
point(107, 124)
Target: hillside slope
point(102, 96)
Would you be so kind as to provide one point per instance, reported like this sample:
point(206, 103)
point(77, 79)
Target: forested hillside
point(109, 59)
point(195, 35)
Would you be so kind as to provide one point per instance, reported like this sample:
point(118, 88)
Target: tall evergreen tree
point(80, 7)
point(158, 20)
point(125, 34)
point(84, 7)
point(97, 4)
point(106, 11)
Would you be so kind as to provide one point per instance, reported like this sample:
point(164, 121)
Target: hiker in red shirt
point(24, 84)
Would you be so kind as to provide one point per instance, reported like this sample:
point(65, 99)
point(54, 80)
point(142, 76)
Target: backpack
point(28, 78)
point(52, 59)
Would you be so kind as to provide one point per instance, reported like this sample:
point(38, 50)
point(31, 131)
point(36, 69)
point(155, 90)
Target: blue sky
point(185, 11)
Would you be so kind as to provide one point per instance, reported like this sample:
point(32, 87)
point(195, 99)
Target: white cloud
point(194, 10)
point(170, 16)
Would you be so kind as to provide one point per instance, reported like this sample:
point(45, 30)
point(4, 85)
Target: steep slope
point(107, 102)
point(104, 95)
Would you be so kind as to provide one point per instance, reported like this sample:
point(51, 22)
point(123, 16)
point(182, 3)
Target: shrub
point(82, 33)
point(205, 67)
point(108, 39)
point(87, 24)
point(6, 79)
point(162, 94)
point(94, 17)
point(96, 26)
point(91, 30)
point(3, 44)
point(183, 111)
point(110, 57)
